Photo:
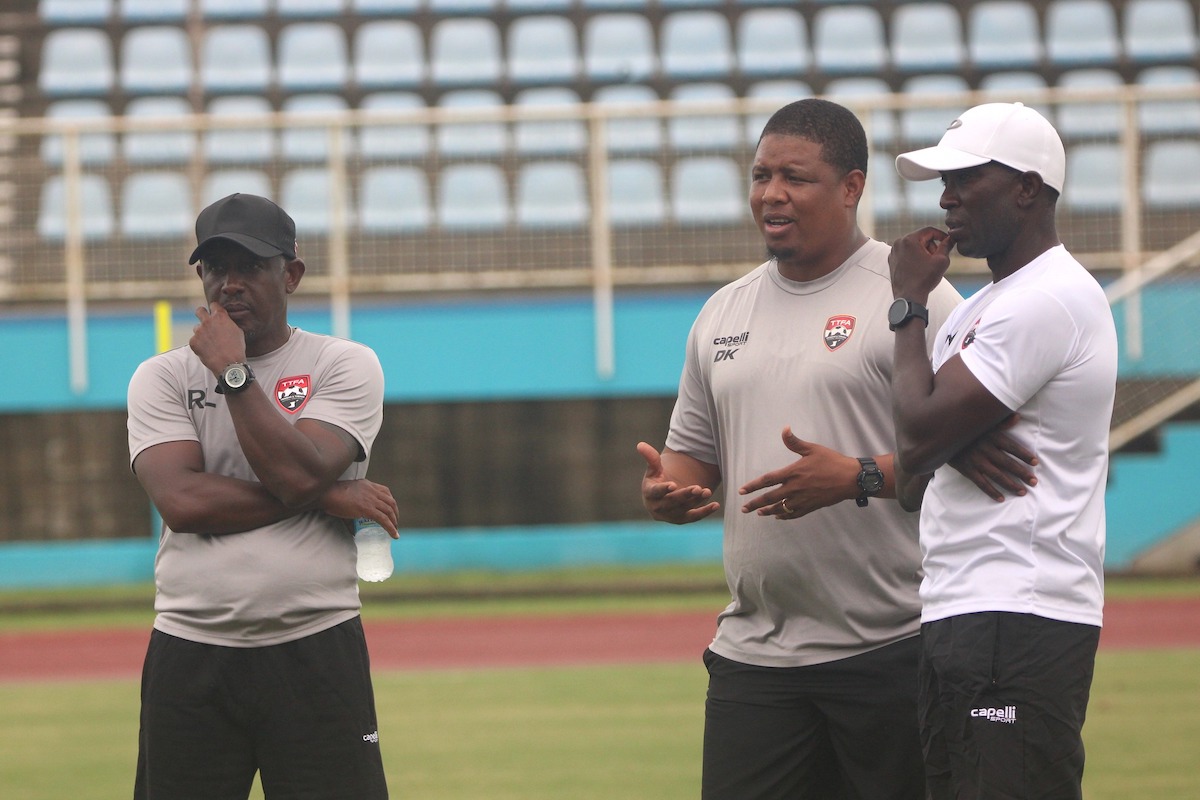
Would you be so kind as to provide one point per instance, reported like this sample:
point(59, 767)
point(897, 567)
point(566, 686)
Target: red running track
point(474, 643)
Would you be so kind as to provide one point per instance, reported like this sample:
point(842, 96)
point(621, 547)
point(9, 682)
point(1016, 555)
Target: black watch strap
point(870, 480)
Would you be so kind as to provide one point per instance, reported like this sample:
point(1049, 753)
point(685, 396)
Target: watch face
point(897, 311)
point(235, 376)
point(872, 481)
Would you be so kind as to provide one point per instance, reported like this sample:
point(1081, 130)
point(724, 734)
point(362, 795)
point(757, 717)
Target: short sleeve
point(157, 408)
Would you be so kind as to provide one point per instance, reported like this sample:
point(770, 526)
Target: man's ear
point(1032, 187)
point(293, 272)
point(855, 184)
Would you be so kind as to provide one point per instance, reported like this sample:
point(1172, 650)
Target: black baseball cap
point(254, 222)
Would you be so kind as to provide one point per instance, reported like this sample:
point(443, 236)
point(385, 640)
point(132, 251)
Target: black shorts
point(1002, 703)
point(841, 730)
point(301, 714)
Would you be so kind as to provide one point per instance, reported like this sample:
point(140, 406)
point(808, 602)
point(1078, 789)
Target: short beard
point(781, 254)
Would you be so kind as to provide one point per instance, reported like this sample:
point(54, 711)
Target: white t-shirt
point(766, 352)
point(1043, 342)
point(286, 580)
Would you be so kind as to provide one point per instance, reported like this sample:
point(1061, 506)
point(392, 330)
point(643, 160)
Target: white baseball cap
point(1009, 133)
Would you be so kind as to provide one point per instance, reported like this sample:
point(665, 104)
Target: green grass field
point(580, 733)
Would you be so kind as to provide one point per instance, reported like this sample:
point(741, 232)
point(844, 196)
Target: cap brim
point(931, 162)
point(256, 246)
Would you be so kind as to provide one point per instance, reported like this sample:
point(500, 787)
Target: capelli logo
point(1007, 714)
point(372, 737)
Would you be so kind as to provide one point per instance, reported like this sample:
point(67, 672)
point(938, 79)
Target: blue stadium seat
point(156, 59)
point(481, 138)
point(1015, 86)
point(394, 200)
point(233, 9)
point(309, 8)
point(920, 127)
point(881, 123)
point(883, 195)
point(696, 44)
point(849, 39)
point(440, 8)
point(76, 61)
point(465, 51)
point(619, 47)
point(542, 49)
point(772, 41)
point(1087, 119)
point(239, 143)
point(1095, 177)
point(1160, 30)
point(387, 7)
point(551, 194)
point(782, 91)
point(1081, 32)
point(74, 12)
point(142, 11)
point(98, 147)
point(95, 208)
point(1171, 176)
point(922, 200)
point(220, 183)
point(630, 134)
point(472, 197)
point(307, 143)
point(927, 36)
point(307, 195)
point(544, 137)
point(312, 56)
point(1156, 117)
point(393, 140)
point(635, 193)
point(538, 6)
point(236, 58)
point(156, 205)
point(158, 146)
point(1003, 34)
point(389, 53)
point(707, 190)
point(716, 132)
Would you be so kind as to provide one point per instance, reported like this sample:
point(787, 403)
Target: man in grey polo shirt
point(253, 443)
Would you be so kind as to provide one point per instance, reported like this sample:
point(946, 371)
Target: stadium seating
point(1084, 119)
point(76, 61)
point(703, 132)
point(95, 208)
point(1081, 32)
point(223, 182)
point(927, 37)
point(97, 147)
point(630, 134)
point(394, 199)
point(619, 47)
point(1004, 34)
point(465, 51)
point(548, 137)
point(1158, 30)
point(156, 205)
point(849, 39)
point(696, 44)
point(471, 138)
point(542, 49)
point(883, 195)
point(472, 197)
point(1157, 117)
point(388, 54)
point(158, 146)
point(924, 126)
point(772, 41)
point(782, 92)
point(635, 193)
point(880, 124)
point(307, 143)
point(1095, 177)
point(156, 59)
point(239, 142)
point(233, 9)
point(312, 56)
point(309, 8)
point(74, 12)
point(142, 11)
point(236, 58)
point(307, 195)
point(551, 194)
point(1171, 176)
point(393, 141)
point(707, 190)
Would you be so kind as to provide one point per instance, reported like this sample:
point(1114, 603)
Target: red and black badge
point(291, 393)
point(838, 331)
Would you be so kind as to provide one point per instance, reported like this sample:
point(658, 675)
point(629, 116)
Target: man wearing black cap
point(253, 443)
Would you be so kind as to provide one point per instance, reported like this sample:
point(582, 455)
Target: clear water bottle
point(374, 550)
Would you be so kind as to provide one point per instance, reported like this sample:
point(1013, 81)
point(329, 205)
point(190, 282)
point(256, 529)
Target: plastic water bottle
point(374, 550)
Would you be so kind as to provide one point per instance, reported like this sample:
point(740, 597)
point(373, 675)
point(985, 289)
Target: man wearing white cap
point(1013, 591)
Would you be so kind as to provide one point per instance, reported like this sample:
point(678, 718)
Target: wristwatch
point(235, 378)
point(870, 480)
point(901, 311)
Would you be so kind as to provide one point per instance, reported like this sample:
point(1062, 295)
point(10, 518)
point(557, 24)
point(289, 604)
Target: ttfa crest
point(838, 331)
point(293, 392)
